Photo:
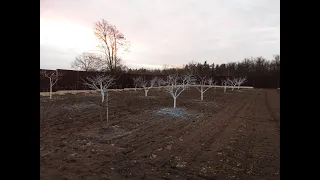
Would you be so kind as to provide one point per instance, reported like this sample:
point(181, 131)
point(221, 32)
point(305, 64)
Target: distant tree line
point(113, 43)
point(254, 66)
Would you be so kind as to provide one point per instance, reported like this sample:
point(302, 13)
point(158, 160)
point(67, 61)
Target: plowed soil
point(226, 136)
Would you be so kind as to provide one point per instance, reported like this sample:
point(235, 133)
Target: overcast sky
point(171, 32)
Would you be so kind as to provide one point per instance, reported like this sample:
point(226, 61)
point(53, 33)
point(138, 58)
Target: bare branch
point(224, 83)
point(112, 40)
point(232, 82)
point(160, 82)
point(88, 62)
point(201, 83)
point(147, 85)
point(53, 77)
point(240, 80)
point(177, 84)
point(210, 81)
point(137, 82)
point(100, 82)
point(201, 86)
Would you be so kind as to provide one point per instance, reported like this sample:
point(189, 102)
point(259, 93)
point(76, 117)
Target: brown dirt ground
point(226, 136)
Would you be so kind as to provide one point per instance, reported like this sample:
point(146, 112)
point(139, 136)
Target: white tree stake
point(101, 83)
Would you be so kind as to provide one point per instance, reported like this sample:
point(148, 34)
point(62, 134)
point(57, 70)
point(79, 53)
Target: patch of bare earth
point(236, 136)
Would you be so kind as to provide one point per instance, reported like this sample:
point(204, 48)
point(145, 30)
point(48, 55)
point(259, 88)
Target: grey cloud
point(56, 58)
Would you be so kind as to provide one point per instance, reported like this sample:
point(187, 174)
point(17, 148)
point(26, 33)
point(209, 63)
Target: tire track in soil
point(72, 123)
point(266, 152)
point(228, 165)
point(175, 130)
point(66, 122)
point(274, 118)
point(228, 126)
point(253, 152)
point(263, 144)
point(154, 125)
point(112, 160)
point(178, 149)
point(144, 149)
point(52, 127)
point(269, 109)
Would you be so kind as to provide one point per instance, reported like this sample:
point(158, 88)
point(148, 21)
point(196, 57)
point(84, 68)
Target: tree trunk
point(174, 102)
point(101, 109)
point(102, 96)
point(202, 93)
point(146, 92)
point(107, 109)
point(238, 87)
point(50, 93)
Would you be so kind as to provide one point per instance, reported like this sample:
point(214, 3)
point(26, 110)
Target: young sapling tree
point(160, 82)
point(224, 83)
point(210, 81)
point(232, 82)
point(147, 85)
point(215, 85)
point(177, 84)
point(101, 83)
point(202, 87)
point(53, 77)
point(240, 81)
point(136, 82)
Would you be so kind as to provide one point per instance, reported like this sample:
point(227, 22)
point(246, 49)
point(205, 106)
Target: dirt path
point(238, 139)
point(251, 149)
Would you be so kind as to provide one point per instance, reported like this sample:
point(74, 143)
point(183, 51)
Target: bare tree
point(202, 87)
point(112, 40)
point(88, 62)
point(215, 85)
point(177, 84)
point(53, 77)
point(147, 85)
point(122, 67)
point(137, 82)
point(210, 81)
point(160, 82)
point(101, 83)
point(224, 83)
point(240, 81)
point(232, 82)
